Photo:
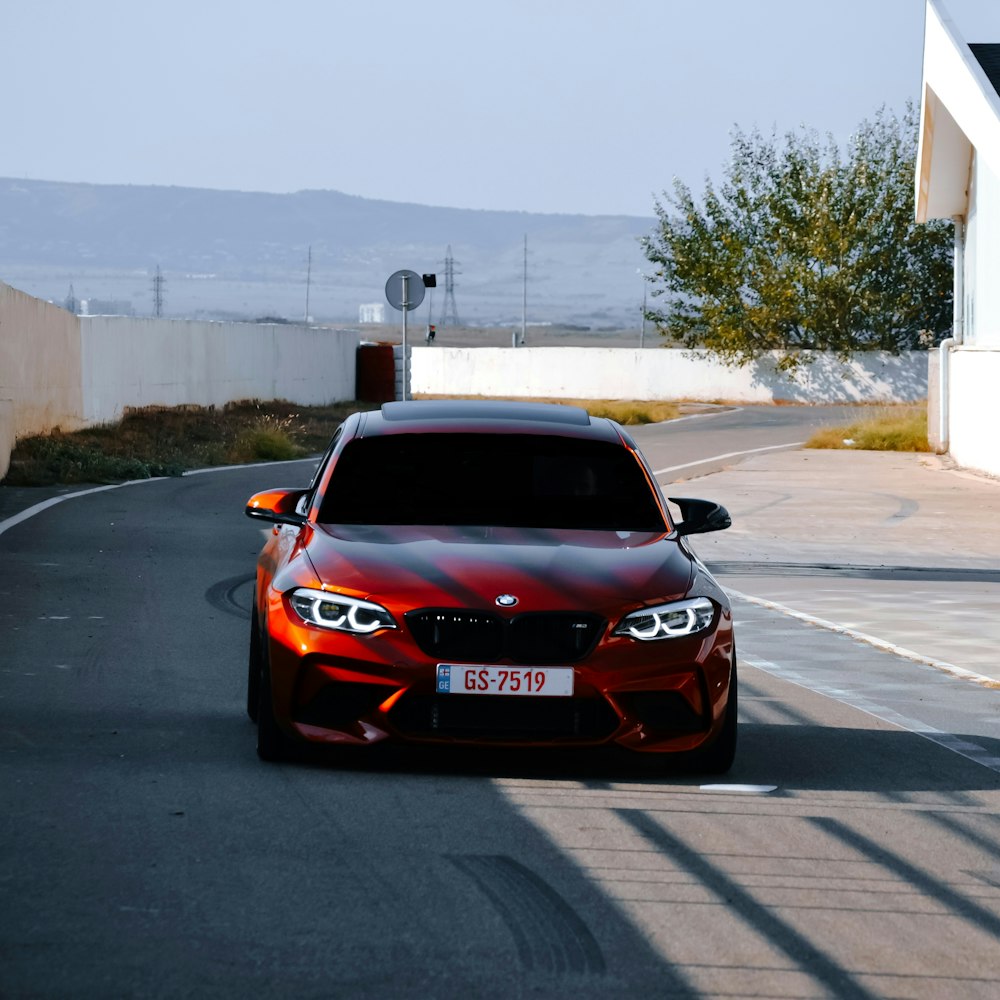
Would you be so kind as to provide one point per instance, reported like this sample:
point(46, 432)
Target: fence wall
point(60, 370)
point(155, 362)
point(40, 384)
point(57, 370)
point(625, 373)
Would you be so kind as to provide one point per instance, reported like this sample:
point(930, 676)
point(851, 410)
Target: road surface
point(852, 851)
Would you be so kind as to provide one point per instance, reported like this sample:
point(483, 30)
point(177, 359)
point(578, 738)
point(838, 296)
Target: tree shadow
point(869, 376)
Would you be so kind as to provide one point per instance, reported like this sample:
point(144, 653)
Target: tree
point(803, 248)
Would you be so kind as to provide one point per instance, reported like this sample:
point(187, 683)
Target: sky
point(576, 106)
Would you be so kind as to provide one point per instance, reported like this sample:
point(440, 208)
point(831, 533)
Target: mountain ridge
point(224, 253)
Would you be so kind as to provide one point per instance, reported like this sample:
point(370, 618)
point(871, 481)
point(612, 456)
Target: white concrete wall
point(39, 369)
point(982, 259)
point(57, 370)
point(974, 417)
point(623, 373)
point(154, 362)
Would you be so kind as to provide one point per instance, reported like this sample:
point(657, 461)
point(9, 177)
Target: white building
point(958, 178)
point(371, 312)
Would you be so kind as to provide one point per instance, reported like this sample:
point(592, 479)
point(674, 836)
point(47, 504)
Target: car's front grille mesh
point(501, 718)
point(535, 637)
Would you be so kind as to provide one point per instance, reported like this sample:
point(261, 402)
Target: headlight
point(668, 621)
point(345, 614)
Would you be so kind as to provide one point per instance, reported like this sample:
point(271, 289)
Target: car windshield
point(518, 480)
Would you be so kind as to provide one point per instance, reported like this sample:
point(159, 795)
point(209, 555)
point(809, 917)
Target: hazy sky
point(587, 106)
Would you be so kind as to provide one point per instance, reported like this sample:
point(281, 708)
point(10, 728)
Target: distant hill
point(233, 254)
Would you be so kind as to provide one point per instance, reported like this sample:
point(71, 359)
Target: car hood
point(413, 567)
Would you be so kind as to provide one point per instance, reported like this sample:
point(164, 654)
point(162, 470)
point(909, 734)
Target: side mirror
point(700, 516)
point(277, 506)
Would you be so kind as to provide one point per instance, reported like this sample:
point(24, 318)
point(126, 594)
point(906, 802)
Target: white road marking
point(871, 640)
point(249, 465)
point(703, 415)
point(37, 508)
point(949, 741)
point(743, 789)
point(29, 512)
point(729, 454)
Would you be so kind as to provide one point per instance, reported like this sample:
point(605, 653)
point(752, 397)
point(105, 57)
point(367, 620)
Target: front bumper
point(334, 688)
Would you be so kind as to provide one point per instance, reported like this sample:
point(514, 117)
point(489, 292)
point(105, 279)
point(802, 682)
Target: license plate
point(466, 678)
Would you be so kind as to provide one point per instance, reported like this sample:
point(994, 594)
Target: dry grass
point(157, 441)
point(167, 441)
point(884, 428)
point(161, 441)
point(626, 412)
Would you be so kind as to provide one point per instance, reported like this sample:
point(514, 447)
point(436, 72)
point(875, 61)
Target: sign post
point(405, 291)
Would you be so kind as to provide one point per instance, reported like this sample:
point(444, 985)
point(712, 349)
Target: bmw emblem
point(506, 600)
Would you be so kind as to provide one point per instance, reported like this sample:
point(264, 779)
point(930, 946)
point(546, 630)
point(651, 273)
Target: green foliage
point(803, 248)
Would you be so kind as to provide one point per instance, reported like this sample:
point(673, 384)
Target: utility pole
point(158, 282)
point(309, 268)
point(524, 292)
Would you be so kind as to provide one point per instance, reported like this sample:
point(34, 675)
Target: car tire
point(272, 743)
point(254, 668)
point(718, 758)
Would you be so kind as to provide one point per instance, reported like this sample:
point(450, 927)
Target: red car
point(489, 573)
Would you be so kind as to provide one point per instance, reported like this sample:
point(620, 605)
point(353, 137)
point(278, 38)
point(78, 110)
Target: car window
point(523, 480)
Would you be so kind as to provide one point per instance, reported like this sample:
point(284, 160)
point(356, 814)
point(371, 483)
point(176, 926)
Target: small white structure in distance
point(371, 312)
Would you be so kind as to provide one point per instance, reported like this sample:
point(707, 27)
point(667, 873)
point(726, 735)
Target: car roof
point(485, 416)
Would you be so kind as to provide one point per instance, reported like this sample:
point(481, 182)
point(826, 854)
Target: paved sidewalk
point(900, 547)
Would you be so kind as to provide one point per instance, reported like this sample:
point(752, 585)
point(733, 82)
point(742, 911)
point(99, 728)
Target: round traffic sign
point(414, 285)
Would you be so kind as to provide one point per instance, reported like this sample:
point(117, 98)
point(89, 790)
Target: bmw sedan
point(489, 573)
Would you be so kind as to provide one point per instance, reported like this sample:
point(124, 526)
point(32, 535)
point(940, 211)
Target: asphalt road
point(146, 852)
point(706, 442)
